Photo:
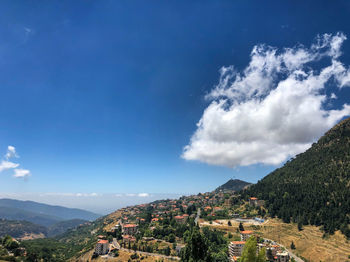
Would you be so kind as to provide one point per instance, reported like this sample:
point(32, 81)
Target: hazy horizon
point(102, 204)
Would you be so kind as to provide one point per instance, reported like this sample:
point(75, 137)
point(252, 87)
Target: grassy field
point(309, 242)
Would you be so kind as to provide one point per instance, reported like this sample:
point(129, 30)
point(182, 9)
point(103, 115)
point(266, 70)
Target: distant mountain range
point(20, 218)
point(41, 214)
point(233, 185)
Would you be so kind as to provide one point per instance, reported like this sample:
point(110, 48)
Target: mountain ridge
point(53, 212)
point(234, 185)
point(313, 187)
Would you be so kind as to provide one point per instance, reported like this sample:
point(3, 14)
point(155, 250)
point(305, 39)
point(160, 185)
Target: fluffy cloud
point(4, 165)
point(21, 173)
point(274, 109)
point(11, 152)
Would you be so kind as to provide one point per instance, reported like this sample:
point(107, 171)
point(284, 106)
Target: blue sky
point(103, 96)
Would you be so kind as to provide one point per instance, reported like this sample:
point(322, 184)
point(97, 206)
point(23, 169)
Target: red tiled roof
point(253, 198)
point(130, 225)
point(238, 242)
point(247, 232)
point(102, 241)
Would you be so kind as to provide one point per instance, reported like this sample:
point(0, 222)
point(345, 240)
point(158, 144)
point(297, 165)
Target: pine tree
point(249, 250)
point(262, 255)
point(241, 228)
point(292, 246)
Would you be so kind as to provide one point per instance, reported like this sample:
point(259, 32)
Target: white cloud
point(86, 194)
point(4, 165)
point(136, 195)
point(11, 152)
point(21, 173)
point(274, 109)
point(143, 195)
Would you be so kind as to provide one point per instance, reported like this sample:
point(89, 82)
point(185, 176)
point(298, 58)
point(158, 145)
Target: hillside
point(12, 213)
point(234, 185)
point(58, 212)
point(313, 188)
point(21, 229)
point(74, 242)
point(63, 226)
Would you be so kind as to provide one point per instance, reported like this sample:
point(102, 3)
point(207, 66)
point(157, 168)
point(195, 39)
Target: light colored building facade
point(246, 234)
point(130, 229)
point(253, 201)
point(235, 248)
point(102, 247)
point(282, 256)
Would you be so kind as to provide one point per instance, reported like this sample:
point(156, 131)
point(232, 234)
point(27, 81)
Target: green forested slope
point(313, 188)
point(18, 229)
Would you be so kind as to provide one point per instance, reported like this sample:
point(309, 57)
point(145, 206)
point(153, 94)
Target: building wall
point(101, 249)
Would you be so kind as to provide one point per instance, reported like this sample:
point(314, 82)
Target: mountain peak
point(233, 185)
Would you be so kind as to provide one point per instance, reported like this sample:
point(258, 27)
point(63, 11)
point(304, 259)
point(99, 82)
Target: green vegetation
point(313, 188)
point(62, 248)
point(7, 245)
point(249, 253)
point(208, 245)
point(19, 228)
point(63, 226)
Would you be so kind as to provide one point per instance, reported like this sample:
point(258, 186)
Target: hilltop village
point(163, 229)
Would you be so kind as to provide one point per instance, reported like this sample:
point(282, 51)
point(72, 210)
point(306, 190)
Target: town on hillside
point(165, 228)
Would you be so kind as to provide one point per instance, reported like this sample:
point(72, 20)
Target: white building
point(282, 256)
point(102, 247)
point(235, 248)
point(246, 234)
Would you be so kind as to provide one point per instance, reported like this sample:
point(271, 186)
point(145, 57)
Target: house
point(207, 208)
point(282, 256)
point(102, 247)
point(116, 227)
point(253, 201)
point(128, 239)
point(246, 234)
point(235, 248)
point(130, 229)
point(179, 219)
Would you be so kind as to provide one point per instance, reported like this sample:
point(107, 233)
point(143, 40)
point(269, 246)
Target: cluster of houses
point(181, 210)
point(278, 254)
